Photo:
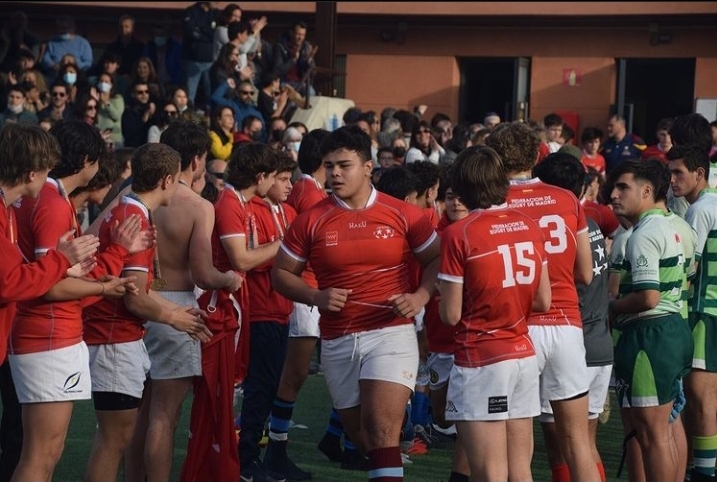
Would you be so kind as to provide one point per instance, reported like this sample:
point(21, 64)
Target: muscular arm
point(583, 270)
point(205, 275)
point(243, 258)
point(286, 279)
point(635, 302)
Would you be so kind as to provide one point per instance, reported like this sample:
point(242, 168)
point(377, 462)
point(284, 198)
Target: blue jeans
point(193, 73)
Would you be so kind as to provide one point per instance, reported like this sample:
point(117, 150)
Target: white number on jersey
point(558, 241)
point(523, 276)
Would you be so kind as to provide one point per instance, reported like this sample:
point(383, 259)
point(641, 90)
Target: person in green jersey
point(655, 348)
point(690, 178)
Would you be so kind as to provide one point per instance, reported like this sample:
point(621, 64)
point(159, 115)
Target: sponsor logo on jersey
point(332, 238)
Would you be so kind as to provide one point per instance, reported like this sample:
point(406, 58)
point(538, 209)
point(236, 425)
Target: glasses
point(246, 92)
point(424, 131)
point(171, 112)
point(91, 107)
point(58, 94)
point(218, 175)
point(140, 92)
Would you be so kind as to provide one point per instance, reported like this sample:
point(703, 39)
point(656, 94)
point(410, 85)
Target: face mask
point(104, 87)
point(15, 109)
point(399, 152)
point(160, 41)
point(295, 145)
point(70, 78)
point(66, 36)
point(256, 136)
point(276, 134)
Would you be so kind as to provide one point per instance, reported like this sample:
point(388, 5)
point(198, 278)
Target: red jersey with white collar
point(497, 254)
point(560, 216)
point(440, 337)
point(272, 221)
point(20, 281)
point(365, 250)
point(108, 320)
point(306, 193)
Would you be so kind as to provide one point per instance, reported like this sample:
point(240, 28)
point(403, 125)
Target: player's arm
point(180, 318)
point(245, 259)
point(286, 279)
point(450, 306)
point(543, 295)
point(583, 271)
point(636, 302)
point(410, 304)
point(204, 274)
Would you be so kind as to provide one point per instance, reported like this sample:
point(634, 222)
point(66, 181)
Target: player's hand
point(189, 320)
point(78, 249)
point(129, 236)
point(236, 283)
point(115, 287)
point(331, 299)
point(407, 305)
point(80, 270)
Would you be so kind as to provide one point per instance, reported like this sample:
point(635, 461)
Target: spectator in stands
point(137, 117)
point(35, 89)
point(74, 79)
point(19, 38)
point(186, 111)
point(197, 48)
point(272, 98)
point(166, 56)
point(129, 47)
point(591, 158)
point(621, 145)
point(15, 110)
point(250, 130)
point(221, 133)
point(442, 128)
point(239, 37)
point(66, 42)
point(143, 71)
point(161, 120)
point(553, 130)
point(59, 104)
point(231, 13)
point(226, 66)
point(239, 98)
point(293, 57)
point(300, 126)
point(111, 107)
point(424, 146)
point(85, 109)
point(491, 120)
point(292, 142)
point(664, 141)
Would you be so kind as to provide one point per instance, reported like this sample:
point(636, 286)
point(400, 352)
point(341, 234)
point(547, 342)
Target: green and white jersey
point(688, 238)
point(702, 216)
point(654, 260)
point(617, 250)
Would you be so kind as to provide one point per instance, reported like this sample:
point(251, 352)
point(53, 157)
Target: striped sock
point(704, 450)
point(348, 444)
point(385, 465)
point(335, 427)
point(281, 412)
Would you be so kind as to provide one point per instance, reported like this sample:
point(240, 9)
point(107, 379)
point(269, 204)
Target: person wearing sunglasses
point(239, 96)
point(136, 119)
point(424, 146)
point(161, 121)
point(59, 104)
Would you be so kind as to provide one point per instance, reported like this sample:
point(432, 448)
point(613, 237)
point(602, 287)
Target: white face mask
point(15, 109)
point(104, 87)
point(70, 78)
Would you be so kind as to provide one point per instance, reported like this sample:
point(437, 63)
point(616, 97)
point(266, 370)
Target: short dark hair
point(350, 138)
point(249, 160)
point(665, 124)
point(516, 143)
point(427, 173)
point(79, 143)
point(284, 162)
point(652, 173)
point(590, 134)
point(151, 163)
point(479, 178)
point(108, 172)
point(692, 129)
point(299, 24)
point(235, 28)
point(25, 148)
point(657, 164)
point(563, 170)
point(552, 119)
point(397, 182)
point(691, 155)
point(188, 139)
point(309, 156)
point(247, 121)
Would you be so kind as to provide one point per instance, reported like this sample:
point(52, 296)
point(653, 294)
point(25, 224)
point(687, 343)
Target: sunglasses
point(246, 92)
point(91, 107)
point(58, 94)
point(140, 92)
point(424, 131)
point(171, 112)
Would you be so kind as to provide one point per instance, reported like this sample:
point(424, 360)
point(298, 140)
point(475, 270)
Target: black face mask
point(399, 152)
point(277, 134)
point(256, 136)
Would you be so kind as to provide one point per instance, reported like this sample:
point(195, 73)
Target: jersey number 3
point(558, 241)
point(519, 268)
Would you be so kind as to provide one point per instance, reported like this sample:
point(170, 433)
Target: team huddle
point(515, 291)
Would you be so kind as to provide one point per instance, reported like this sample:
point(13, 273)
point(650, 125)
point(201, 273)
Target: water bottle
point(333, 123)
